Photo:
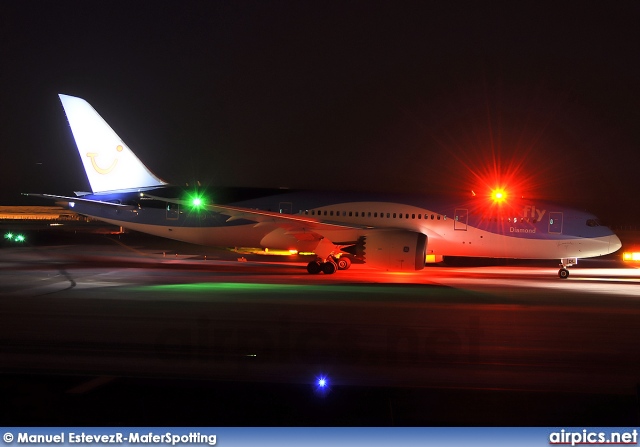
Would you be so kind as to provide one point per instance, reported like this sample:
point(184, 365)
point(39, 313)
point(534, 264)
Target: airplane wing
point(290, 222)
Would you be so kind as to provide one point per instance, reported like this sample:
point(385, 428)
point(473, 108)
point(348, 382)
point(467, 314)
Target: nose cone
point(614, 243)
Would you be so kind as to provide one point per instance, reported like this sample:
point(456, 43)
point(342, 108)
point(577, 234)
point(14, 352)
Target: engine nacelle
point(396, 250)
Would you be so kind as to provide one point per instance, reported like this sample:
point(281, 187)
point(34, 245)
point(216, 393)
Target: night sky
point(419, 97)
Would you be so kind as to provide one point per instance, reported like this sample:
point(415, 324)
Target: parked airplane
point(388, 232)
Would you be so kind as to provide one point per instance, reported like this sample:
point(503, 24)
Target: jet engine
point(395, 250)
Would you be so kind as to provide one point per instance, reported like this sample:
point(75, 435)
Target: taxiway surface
point(120, 310)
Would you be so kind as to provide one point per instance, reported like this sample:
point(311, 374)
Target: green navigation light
point(195, 200)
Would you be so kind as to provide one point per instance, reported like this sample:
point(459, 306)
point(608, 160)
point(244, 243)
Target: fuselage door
point(460, 219)
point(555, 222)
point(285, 208)
point(173, 211)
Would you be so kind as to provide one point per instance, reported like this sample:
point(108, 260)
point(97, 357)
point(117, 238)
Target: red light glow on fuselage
point(498, 195)
point(499, 165)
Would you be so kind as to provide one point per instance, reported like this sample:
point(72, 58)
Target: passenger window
point(419, 216)
point(413, 216)
point(394, 215)
point(389, 215)
point(438, 216)
point(432, 217)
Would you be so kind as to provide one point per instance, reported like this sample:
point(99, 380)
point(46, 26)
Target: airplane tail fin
point(109, 163)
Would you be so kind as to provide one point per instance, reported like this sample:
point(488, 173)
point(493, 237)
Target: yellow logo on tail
point(99, 170)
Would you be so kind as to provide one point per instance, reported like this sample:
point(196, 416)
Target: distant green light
point(14, 237)
point(197, 202)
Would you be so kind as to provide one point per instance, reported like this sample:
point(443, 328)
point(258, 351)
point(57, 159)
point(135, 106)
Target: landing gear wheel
point(329, 268)
point(563, 273)
point(344, 263)
point(314, 267)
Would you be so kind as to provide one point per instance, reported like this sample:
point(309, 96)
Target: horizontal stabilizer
point(72, 200)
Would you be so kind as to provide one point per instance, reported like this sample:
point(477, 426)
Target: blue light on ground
point(322, 384)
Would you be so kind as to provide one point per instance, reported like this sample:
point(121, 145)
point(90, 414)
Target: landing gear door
point(460, 219)
point(555, 222)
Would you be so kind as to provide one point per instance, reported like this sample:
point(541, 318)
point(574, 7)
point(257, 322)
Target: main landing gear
point(330, 266)
point(563, 273)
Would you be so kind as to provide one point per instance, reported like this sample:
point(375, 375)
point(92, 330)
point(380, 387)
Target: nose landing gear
point(563, 273)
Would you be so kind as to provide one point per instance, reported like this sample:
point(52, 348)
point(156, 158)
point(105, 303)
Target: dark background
point(419, 97)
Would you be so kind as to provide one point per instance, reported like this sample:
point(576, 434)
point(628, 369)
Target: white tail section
point(109, 163)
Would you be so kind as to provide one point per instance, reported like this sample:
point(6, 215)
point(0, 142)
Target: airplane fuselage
point(474, 227)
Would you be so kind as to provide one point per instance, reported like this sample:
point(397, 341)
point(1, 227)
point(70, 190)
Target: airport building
point(54, 213)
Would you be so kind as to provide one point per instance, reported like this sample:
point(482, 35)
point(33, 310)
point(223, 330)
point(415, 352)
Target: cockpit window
point(593, 223)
